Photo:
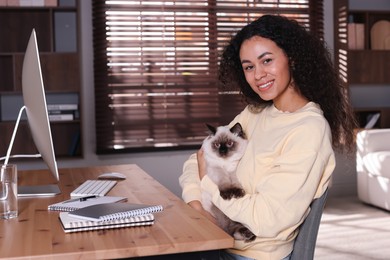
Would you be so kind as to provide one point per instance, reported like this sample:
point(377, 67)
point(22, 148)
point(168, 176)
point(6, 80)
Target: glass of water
point(8, 191)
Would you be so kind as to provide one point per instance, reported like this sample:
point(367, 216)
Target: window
point(156, 67)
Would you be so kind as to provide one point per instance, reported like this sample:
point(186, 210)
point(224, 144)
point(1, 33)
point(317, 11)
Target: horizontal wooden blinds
point(155, 66)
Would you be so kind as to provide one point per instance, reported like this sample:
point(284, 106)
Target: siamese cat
point(222, 150)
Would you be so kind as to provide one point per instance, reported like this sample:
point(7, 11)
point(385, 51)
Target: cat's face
point(225, 143)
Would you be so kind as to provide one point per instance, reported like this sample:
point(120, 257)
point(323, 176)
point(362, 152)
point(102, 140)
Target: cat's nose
point(223, 151)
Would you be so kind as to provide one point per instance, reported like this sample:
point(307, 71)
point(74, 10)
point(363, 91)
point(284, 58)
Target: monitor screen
point(36, 109)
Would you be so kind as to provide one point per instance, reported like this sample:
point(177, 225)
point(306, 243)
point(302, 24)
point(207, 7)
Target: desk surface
point(37, 232)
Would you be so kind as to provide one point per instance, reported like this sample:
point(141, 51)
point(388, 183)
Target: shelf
point(21, 22)
point(57, 35)
point(369, 63)
point(60, 71)
point(44, 8)
point(367, 19)
point(64, 134)
point(368, 67)
point(361, 65)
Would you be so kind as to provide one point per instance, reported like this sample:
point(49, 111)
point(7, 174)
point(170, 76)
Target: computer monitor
point(38, 120)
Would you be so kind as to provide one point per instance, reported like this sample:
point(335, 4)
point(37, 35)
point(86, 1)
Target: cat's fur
point(223, 149)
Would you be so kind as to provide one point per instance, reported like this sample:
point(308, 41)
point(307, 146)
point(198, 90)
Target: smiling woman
point(297, 116)
point(156, 65)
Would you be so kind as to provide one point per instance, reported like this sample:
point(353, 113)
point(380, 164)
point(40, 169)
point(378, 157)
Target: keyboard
point(93, 187)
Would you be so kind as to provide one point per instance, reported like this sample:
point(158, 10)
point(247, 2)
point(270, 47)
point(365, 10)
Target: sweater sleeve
point(281, 198)
point(189, 180)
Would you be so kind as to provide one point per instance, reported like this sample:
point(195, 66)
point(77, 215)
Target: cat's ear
point(212, 129)
point(237, 129)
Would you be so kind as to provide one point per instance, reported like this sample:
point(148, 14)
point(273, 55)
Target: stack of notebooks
point(93, 213)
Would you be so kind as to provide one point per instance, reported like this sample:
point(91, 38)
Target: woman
point(297, 115)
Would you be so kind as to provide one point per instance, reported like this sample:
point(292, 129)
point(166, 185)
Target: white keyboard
point(93, 187)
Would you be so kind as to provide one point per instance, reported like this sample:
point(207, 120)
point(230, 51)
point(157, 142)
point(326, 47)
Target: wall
point(343, 181)
point(166, 167)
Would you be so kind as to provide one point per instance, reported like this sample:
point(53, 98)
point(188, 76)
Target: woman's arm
point(190, 182)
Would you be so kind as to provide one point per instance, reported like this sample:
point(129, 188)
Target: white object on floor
point(373, 167)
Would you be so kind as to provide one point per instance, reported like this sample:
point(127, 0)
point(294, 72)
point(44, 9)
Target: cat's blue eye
point(229, 144)
point(217, 145)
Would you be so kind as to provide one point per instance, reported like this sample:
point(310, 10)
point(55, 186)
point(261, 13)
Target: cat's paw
point(245, 234)
point(234, 192)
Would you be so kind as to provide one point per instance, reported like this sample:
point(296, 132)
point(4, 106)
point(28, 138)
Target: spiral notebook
point(71, 224)
point(113, 211)
point(74, 204)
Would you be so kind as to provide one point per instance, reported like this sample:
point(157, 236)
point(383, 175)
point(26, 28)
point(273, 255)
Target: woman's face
point(266, 69)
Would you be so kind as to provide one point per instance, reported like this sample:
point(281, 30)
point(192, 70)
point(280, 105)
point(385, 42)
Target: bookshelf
point(56, 25)
point(359, 58)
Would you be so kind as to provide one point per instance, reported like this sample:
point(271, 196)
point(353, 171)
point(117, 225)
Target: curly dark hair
point(311, 67)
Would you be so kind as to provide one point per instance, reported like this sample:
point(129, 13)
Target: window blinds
point(156, 62)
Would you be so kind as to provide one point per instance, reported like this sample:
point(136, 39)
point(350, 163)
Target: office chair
point(305, 242)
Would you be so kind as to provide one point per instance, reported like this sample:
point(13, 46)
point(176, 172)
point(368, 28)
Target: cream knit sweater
point(288, 162)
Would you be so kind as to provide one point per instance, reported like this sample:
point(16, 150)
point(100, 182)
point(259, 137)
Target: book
point(355, 36)
point(63, 117)
point(62, 107)
point(68, 114)
point(70, 224)
point(359, 30)
point(112, 211)
point(74, 204)
point(60, 112)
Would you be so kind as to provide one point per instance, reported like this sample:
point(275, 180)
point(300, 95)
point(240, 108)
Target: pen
point(81, 199)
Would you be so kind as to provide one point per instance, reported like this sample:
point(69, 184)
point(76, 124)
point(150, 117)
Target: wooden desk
point(37, 232)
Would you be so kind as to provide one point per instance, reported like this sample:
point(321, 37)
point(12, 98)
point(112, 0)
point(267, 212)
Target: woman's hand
point(197, 205)
point(201, 164)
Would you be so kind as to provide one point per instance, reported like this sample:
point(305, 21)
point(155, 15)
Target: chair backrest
point(305, 242)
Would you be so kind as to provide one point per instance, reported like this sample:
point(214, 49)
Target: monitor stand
point(36, 190)
point(39, 190)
